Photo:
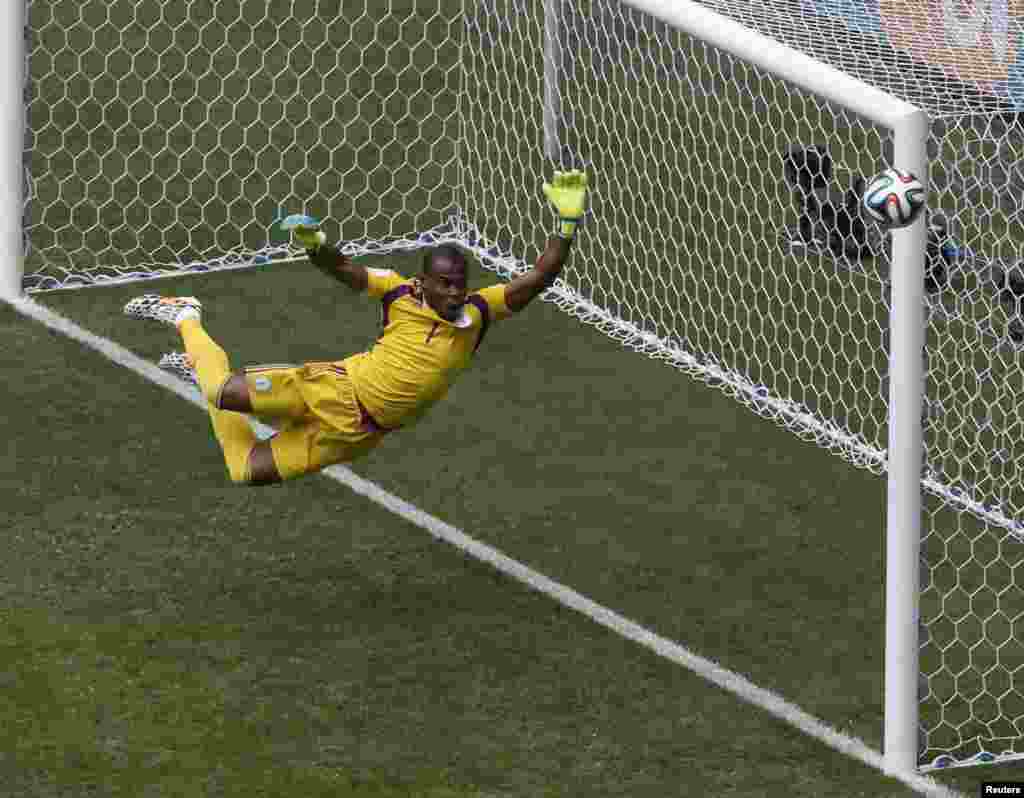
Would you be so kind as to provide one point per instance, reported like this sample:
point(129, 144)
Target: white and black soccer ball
point(894, 198)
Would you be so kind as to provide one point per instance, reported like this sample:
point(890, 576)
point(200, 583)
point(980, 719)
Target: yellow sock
point(209, 360)
point(233, 432)
point(236, 440)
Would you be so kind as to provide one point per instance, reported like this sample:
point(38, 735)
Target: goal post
point(905, 464)
point(553, 70)
point(12, 145)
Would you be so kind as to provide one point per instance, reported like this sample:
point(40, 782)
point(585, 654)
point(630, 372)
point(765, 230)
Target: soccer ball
point(894, 198)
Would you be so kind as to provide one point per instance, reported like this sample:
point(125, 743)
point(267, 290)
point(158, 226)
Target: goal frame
point(909, 125)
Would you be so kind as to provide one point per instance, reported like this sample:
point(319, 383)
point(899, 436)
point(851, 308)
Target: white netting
point(166, 136)
point(944, 56)
point(693, 254)
point(972, 603)
point(960, 62)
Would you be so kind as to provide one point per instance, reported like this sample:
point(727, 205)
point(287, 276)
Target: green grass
point(604, 469)
point(118, 706)
point(173, 634)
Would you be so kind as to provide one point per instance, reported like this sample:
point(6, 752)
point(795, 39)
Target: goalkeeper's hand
point(306, 231)
point(568, 193)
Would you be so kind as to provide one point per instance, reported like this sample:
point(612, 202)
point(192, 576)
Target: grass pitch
point(167, 633)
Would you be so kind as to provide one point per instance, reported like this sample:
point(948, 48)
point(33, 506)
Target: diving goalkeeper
point(338, 411)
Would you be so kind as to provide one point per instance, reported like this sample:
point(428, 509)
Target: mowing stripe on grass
point(707, 669)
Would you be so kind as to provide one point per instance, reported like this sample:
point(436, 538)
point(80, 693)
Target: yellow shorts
point(319, 420)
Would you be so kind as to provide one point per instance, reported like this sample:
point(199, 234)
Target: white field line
point(674, 652)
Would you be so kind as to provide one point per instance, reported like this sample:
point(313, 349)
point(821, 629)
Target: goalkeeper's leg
point(248, 461)
point(307, 443)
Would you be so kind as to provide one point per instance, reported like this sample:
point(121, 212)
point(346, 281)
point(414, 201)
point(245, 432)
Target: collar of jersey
point(463, 322)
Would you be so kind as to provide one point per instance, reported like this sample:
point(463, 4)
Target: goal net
point(960, 63)
point(167, 137)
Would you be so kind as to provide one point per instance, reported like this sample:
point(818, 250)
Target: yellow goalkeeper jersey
point(419, 355)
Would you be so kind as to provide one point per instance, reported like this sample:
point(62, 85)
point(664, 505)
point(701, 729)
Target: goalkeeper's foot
point(171, 310)
point(180, 365)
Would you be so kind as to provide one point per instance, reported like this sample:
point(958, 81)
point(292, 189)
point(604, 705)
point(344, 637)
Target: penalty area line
point(707, 669)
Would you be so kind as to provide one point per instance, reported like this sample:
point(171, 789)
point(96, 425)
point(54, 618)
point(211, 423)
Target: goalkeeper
point(337, 411)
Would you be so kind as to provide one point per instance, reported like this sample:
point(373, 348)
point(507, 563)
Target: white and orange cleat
point(171, 310)
point(180, 365)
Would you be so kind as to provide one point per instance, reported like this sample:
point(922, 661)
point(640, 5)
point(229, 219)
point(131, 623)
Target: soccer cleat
point(181, 365)
point(168, 309)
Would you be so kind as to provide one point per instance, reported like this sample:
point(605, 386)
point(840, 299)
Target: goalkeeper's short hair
point(446, 251)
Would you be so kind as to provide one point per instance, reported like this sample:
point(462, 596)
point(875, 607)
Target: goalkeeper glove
point(568, 193)
point(306, 231)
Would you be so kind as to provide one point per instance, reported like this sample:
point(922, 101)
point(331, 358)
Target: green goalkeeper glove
point(306, 231)
point(568, 193)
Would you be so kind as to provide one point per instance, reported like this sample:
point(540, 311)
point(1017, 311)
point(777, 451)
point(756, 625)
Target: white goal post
point(151, 138)
point(12, 144)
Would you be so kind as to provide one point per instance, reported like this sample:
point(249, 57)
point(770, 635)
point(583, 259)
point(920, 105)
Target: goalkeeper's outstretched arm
point(521, 291)
point(334, 264)
point(328, 259)
point(568, 193)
